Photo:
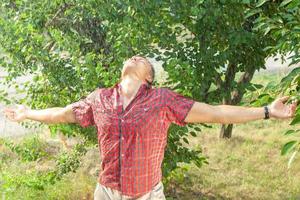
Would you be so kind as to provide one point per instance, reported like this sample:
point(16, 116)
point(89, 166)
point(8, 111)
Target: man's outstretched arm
point(49, 115)
point(228, 114)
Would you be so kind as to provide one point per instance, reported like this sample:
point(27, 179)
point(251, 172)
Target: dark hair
point(152, 74)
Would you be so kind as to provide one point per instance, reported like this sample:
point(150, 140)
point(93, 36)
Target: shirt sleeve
point(177, 106)
point(83, 110)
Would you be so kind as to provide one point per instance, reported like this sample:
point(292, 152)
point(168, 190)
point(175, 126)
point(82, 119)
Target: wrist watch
point(267, 114)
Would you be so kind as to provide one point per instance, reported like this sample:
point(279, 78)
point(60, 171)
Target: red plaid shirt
point(132, 141)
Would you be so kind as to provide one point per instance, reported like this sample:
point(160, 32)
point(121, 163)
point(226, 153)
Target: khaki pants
point(105, 193)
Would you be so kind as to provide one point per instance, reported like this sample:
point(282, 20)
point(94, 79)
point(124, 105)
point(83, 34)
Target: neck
point(130, 86)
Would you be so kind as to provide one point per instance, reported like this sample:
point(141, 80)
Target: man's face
point(139, 67)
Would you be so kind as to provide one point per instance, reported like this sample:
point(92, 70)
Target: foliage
point(203, 45)
point(177, 152)
point(71, 47)
point(291, 84)
point(29, 149)
point(281, 21)
point(66, 162)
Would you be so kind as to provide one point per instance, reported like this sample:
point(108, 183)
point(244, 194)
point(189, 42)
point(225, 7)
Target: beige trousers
point(105, 193)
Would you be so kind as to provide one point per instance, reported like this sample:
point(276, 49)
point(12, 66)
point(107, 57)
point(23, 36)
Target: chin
point(129, 65)
point(127, 68)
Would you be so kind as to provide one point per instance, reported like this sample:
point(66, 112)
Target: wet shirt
point(132, 141)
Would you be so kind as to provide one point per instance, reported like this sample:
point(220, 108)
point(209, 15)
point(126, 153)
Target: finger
point(294, 105)
point(7, 109)
point(10, 117)
point(10, 114)
point(284, 99)
point(292, 110)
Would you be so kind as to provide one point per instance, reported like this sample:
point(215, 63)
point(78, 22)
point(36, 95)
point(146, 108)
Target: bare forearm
point(49, 115)
point(224, 114)
point(228, 114)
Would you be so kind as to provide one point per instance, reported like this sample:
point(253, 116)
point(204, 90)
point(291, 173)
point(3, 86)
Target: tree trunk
point(226, 131)
point(236, 95)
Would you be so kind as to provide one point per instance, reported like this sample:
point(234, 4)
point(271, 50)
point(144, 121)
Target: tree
point(210, 49)
point(281, 21)
point(70, 48)
point(205, 46)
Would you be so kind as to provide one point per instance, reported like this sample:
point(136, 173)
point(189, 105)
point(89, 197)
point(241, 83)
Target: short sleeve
point(177, 106)
point(83, 110)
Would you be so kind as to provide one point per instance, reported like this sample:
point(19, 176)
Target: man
point(132, 120)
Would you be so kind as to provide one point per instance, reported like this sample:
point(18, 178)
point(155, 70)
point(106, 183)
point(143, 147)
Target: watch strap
point(267, 113)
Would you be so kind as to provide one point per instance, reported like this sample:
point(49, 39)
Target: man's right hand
point(17, 114)
point(50, 115)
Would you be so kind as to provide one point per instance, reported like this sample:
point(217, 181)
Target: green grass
point(248, 166)
point(14, 170)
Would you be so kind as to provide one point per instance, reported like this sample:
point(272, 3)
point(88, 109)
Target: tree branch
point(237, 95)
point(61, 10)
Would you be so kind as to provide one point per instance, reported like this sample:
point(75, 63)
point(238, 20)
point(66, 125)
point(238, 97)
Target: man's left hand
point(278, 109)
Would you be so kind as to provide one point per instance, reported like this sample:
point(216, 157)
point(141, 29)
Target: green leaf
point(258, 86)
point(285, 2)
point(246, 1)
point(261, 2)
point(290, 132)
point(262, 95)
point(185, 140)
point(294, 4)
point(197, 129)
point(253, 12)
point(296, 120)
point(193, 133)
point(288, 147)
point(290, 76)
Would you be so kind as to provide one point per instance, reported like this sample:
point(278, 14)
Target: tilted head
point(140, 68)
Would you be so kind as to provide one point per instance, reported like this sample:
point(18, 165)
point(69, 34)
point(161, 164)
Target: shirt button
point(122, 120)
point(122, 138)
point(122, 155)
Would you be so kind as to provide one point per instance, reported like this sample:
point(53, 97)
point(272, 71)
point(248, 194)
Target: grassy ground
point(79, 185)
point(248, 166)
